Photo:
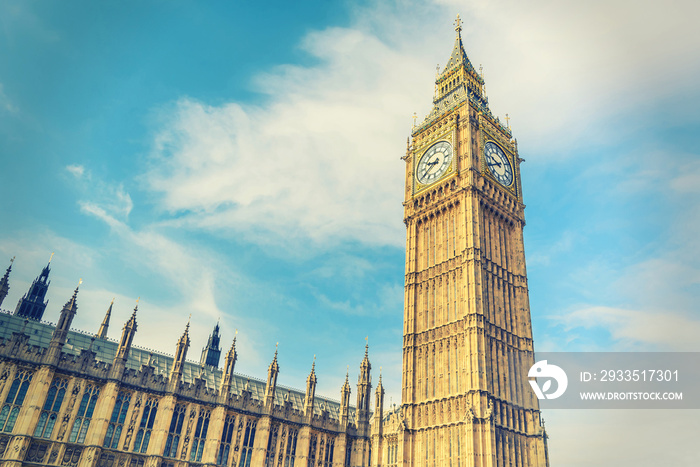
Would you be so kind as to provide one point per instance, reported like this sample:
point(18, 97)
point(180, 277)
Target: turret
point(102, 333)
point(211, 353)
point(5, 282)
point(180, 354)
point(364, 388)
point(60, 333)
point(379, 407)
point(345, 399)
point(128, 333)
point(32, 304)
point(310, 391)
point(271, 385)
point(229, 365)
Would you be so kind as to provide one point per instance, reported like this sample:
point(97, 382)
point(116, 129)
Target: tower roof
point(459, 58)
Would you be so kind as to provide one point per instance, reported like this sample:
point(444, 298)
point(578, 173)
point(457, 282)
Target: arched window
point(200, 436)
point(82, 420)
point(173, 441)
point(148, 417)
point(116, 423)
point(14, 400)
point(52, 405)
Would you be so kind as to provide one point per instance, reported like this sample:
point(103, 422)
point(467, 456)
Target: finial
point(481, 70)
point(80, 281)
point(366, 345)
point(12, 260)
point(508, 121)
point(458, 25)
point(51, 257)
point(276, 346)
point(437, 70)
point(415, 117)
point(112, 301)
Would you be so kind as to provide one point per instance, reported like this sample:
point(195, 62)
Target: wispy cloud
point(5, 102)
point(318, 161)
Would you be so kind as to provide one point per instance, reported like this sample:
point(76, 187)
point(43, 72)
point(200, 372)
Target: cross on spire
point(458, 25)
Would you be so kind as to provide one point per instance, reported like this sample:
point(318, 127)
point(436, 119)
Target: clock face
point(498, 164)
point(434, 162)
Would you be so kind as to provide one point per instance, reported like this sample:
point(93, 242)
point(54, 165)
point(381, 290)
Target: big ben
point(467, 344)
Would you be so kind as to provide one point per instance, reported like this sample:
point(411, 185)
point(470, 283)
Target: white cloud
point(319, 160)
point(76, 170)
point(666, 329)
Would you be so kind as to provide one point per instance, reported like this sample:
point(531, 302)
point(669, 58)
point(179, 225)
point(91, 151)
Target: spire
point(458, 57)
point(271, 384)
point(5, 282)
point(229, 365)
point(310, 390)
point(102, 333)
point(32, 304)
point(128, 333)
point(379, 405)
point(60, 333)
point(211, 353)
point(180, 354)
point(345, 398)
point(458, 82)
point(364, 387)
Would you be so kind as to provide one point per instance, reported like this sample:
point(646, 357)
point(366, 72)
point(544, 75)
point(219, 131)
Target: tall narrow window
point(427, 304)
point(449, 385)
point(425, 446)
point(200, 435)
point(434, 244)
point(434, 370)
point(49, 415)
point(427, 385)
point(271, 446)
point(447, 287)
point(449, 435)
point(328, 458)
point(116, 423)
point(427, 247)
point(291, 451)
point(455, 297)
point(148, 418)
point(348, 453)
point(248, 439)
point(226, 437)
point(454, 235)
point(457, 367)
point(14, 400)
point(459, 449)
point(173, 440)
point(447, 238)
point(82, 420)
point(312, 451)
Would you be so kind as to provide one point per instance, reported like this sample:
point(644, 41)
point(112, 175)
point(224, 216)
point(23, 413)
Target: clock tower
point(467, 343)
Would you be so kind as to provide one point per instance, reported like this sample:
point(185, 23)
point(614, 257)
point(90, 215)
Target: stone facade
point(467, 343)
point(74, 399)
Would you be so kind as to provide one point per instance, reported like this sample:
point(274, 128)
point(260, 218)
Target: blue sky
point(241, 162)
